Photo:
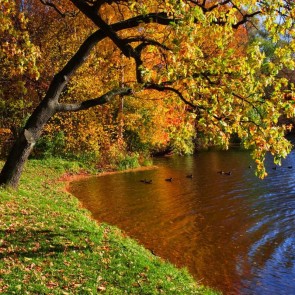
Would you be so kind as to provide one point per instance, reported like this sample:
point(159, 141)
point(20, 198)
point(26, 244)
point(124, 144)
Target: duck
point(148, 181)
point(227, 173)
point(290, 167)
point(169, 179)
point(189, 176)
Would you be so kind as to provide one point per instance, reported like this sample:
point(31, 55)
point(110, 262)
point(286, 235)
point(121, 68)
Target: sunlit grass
point(50, 245)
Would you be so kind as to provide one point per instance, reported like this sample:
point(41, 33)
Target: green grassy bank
point(50, 245)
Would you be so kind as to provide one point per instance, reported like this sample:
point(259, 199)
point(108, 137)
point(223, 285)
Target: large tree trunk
point(24, 144)
point(13, 167)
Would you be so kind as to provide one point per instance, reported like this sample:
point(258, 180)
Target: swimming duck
point(189, 176)
point(169, 179)
point(146, 181)
point(227, 173)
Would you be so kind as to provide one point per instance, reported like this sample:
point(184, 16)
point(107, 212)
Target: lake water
point(233, 232)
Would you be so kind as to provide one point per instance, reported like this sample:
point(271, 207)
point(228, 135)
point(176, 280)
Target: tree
point(223, 86)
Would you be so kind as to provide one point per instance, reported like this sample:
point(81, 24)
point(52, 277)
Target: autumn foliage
point(189, 72)
point(149, 123)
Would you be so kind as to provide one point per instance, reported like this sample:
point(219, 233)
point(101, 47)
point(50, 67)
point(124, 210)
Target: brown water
point(233, 232)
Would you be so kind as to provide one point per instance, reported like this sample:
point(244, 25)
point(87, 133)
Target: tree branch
point(84, 105)
point(138, 51)
point(63, 14)
point(160, 87)
point(126, 49)
point(146, 42)
point(207, 8)
point(245, 19)
point(81, 55)
point(248, 102)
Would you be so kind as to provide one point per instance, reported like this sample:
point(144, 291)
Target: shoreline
point(51, 245)
point(69, 177)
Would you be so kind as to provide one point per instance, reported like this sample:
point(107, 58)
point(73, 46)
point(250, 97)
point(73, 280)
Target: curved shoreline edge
point(50, 245)
point(69, 177)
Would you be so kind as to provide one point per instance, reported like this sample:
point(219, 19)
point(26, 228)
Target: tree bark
point(20, 151)
point(17, 157)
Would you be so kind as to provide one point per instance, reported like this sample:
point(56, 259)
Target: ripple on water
point(233, 232)
point(276, 274)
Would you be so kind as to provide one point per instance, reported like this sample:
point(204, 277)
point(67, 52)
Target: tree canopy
point(185, 68)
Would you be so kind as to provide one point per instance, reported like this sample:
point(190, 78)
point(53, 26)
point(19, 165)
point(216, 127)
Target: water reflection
point(234, 232)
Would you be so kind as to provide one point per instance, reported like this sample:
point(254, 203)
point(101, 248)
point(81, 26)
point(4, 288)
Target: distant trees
point(157, 54)
point(18, 57)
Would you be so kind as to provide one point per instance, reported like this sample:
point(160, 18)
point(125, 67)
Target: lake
point(233, 232)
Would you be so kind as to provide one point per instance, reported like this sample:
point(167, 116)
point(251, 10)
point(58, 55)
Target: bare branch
point(161, 87)
point(246, 18)
point(84, 105)
point(61, 13)
point(146, 42)
point(126, 49)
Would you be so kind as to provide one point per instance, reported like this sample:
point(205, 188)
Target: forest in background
point(213, 66)
point(137, 125)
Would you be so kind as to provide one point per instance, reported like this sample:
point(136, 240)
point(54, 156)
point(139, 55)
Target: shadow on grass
point(34, 243)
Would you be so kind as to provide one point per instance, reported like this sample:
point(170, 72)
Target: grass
point(50, 245)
